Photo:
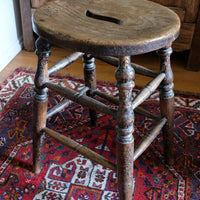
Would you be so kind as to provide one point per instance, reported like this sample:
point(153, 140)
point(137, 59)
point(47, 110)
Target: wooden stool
point(103, 29)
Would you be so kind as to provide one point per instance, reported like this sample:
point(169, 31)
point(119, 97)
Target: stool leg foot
point(90, 82)
point(39, 122)
point(125, 118)
point(167, 104)
point(40, 102)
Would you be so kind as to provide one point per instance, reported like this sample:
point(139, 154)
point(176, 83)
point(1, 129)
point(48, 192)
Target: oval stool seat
point(107, 27)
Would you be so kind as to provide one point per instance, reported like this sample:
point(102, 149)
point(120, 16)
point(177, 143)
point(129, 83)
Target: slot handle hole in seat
point(103, 18)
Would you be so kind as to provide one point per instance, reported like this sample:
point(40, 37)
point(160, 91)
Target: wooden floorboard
point(184, 80)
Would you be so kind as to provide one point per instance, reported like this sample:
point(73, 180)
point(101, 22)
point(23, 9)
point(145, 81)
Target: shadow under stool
point(112, 31)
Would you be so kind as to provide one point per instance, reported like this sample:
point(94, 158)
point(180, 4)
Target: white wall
point(10, 31)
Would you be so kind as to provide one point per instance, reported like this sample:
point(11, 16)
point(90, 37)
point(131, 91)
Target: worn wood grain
point(167, 103)
point(179, 11)
point(192, 7)
point(88, 153)
point(40, 102)
point(187, 10)
point(194, 57)
point(179, 3)
point(66, 61)
point(184, 40)
point(125, 118)
point(90, 82)
point(184, 80)
point(149, 138)
point(122, 29)
point(38, 3)
point(156, 26)
point(82, 99)
point(27, 31)
point(138, 68)
point(147, 90)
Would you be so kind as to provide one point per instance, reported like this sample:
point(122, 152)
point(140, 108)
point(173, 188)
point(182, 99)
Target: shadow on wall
point(17, 18)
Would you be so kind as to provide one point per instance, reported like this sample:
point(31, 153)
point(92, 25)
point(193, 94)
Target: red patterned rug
point(68, 175)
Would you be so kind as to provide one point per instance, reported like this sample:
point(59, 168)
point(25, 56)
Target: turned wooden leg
point(167, 103)
point(90, 82)
point(125, 118)
point(40, 101)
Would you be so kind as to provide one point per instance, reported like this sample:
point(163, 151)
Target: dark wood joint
point(90, 82)
point(125, 117)
point(165, 66)
point(167, 103)
point(43, 52)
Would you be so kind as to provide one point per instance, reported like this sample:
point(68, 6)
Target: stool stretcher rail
point(62, 104)
point(88, 153)
point(115, 100)
point(81, 99)
point(147, 90)
point(64, 62)
point(138, 68)
point(148, 138)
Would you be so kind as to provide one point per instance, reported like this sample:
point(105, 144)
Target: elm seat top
point(107, 27)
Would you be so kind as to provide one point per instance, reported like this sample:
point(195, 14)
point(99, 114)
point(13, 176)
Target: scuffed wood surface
point(184, 40)
point(27, 31)
point(194, 58)
point(143, 22)
point(38, 3)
